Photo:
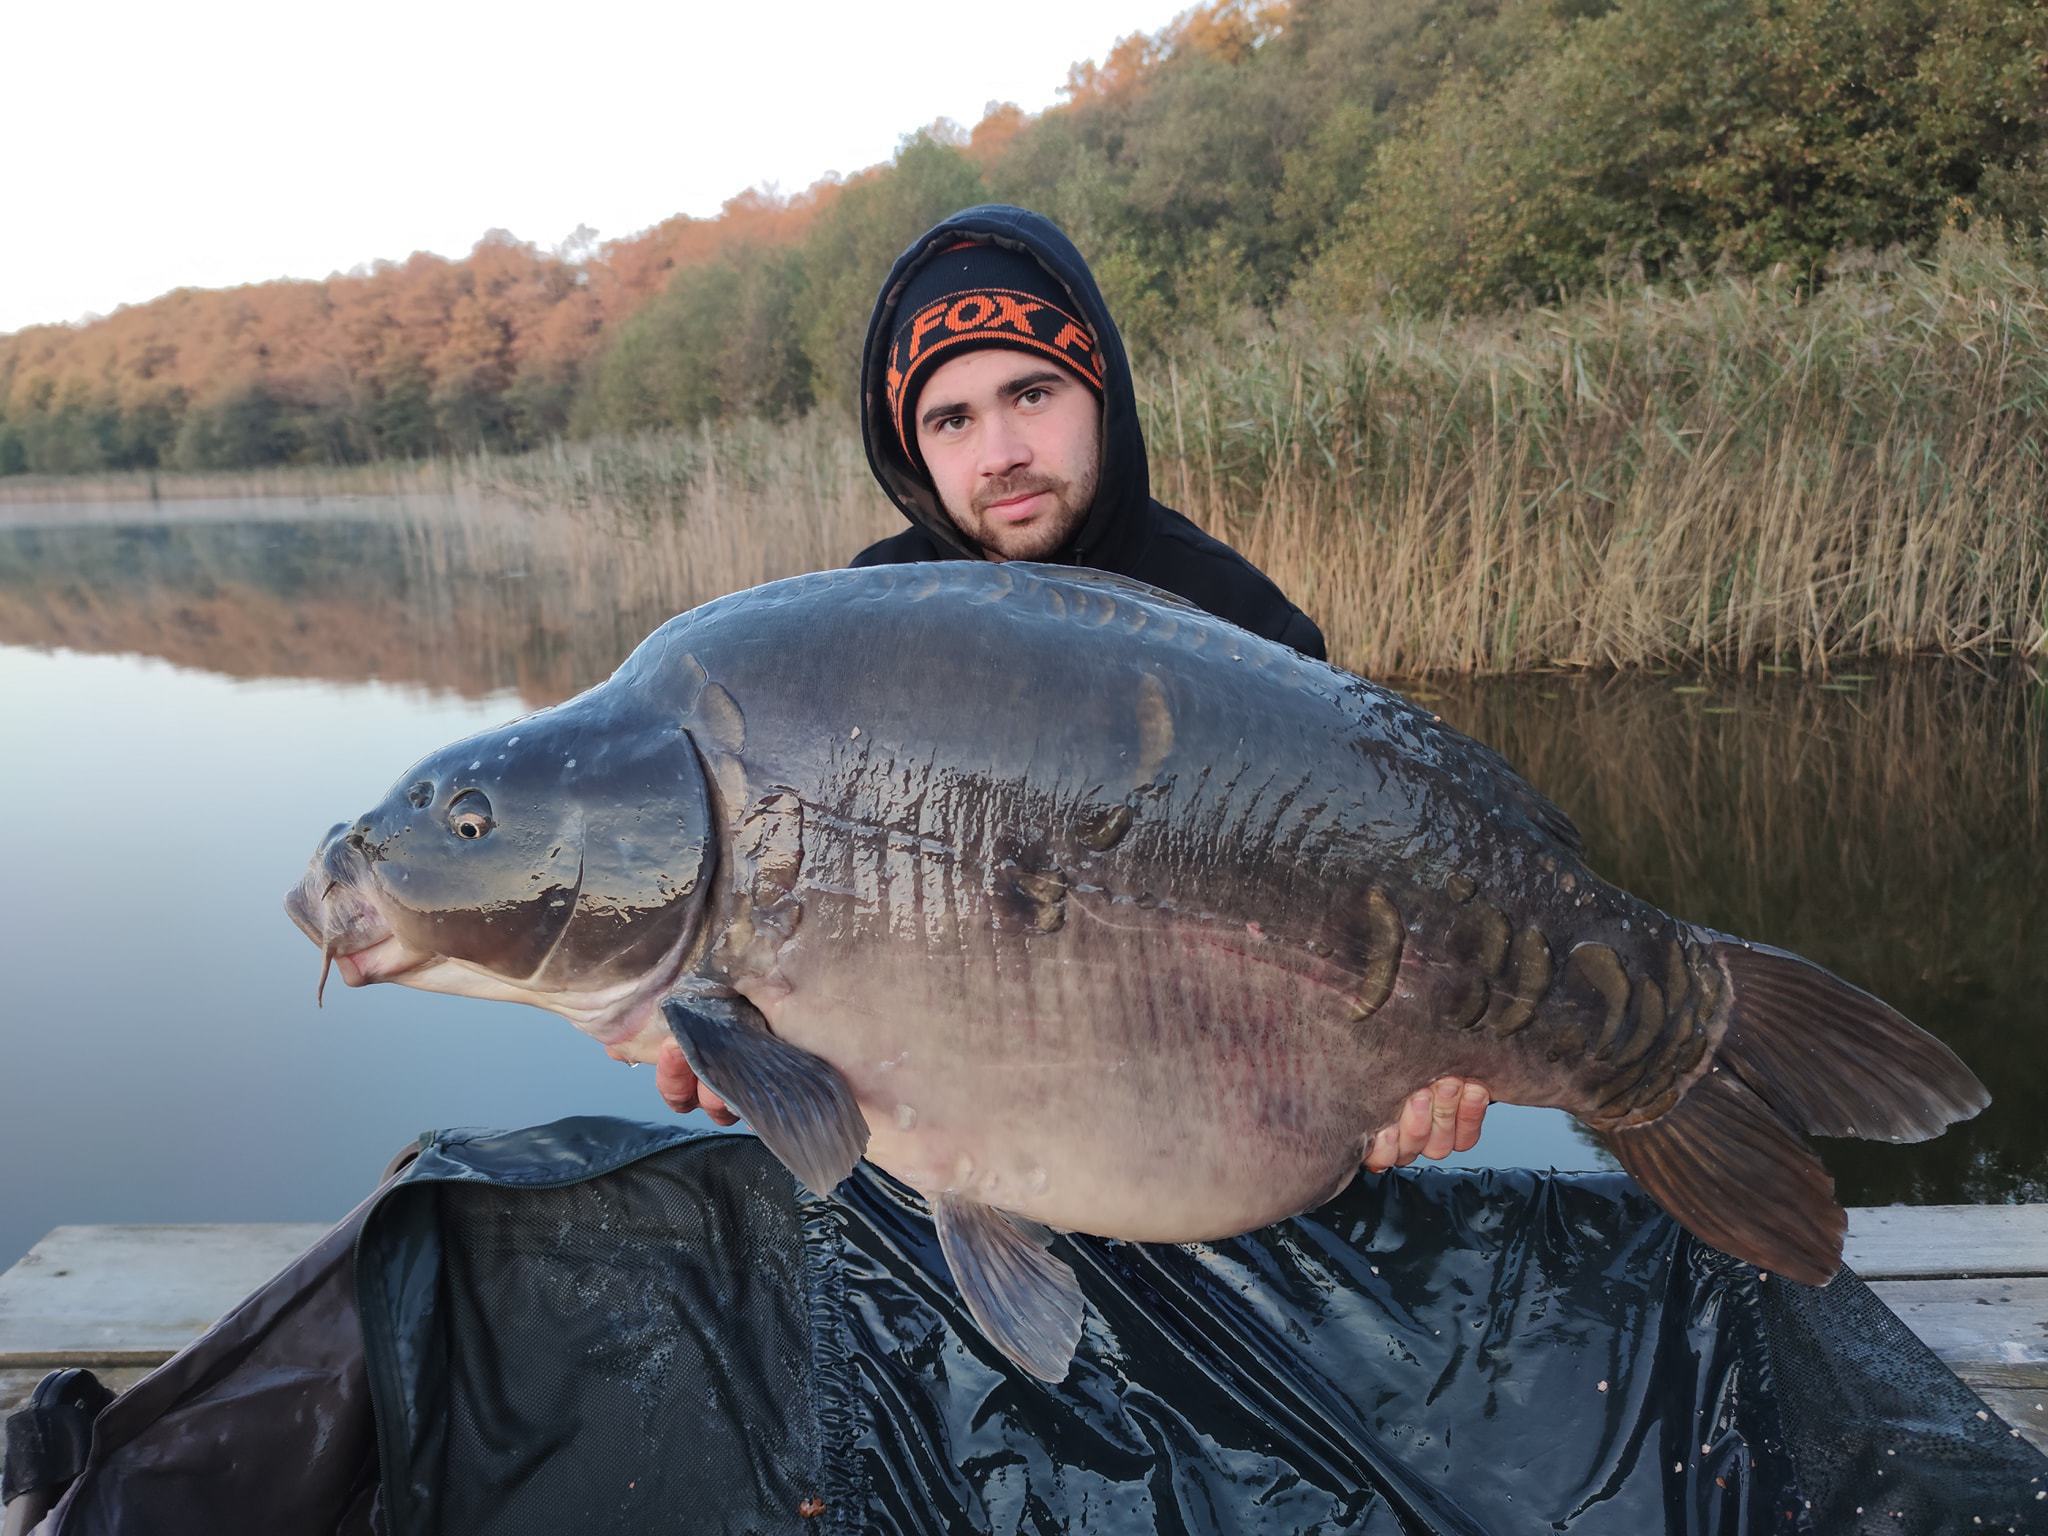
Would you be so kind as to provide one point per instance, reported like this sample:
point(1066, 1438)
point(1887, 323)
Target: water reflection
point(1892, 826)
point(461, 594)
point(161, 1058)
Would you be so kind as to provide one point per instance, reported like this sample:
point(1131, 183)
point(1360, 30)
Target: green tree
point(859, 237)
point(722, 340)
point(402, 416)
point(249, 428)
point(1728, 129)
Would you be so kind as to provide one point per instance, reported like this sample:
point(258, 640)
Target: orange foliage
point(997, 129)
point(470, 326)
point(1224, 29)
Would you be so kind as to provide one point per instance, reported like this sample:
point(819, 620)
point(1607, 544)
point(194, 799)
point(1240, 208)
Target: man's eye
point(1031, 397)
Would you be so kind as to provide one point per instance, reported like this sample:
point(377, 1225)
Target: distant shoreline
point(178, 511)
point(312, 483)
point(1438, 511)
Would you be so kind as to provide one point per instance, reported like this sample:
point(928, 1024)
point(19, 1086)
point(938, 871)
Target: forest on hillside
point(1300, 165)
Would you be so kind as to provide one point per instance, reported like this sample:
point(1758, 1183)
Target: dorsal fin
point(1504, 782)
point(1083, 576)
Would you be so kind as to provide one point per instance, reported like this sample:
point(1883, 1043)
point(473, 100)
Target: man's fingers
point(674, 1080)
point(680, 1089)
point(1471, 1114)
point(1425, 1120)
point(1445, 1096)
point(1386, 1145)
point(1414, 1127)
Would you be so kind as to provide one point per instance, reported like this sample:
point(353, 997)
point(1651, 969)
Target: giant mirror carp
point(1077, 909)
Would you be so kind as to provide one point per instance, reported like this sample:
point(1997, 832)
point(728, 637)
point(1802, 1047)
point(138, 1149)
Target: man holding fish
point(1078, 897)
point(999, 416)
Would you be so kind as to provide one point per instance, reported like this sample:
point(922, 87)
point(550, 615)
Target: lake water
point(189, 697)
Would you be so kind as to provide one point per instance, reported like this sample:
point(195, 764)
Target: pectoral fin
point(1026, 1301)
point(798, 1104)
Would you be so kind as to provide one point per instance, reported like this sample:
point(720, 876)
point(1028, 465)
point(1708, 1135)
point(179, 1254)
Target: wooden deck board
point(1996, 1328)
point(134, 1295)
point(1939, 1242)
point(2025, 1411)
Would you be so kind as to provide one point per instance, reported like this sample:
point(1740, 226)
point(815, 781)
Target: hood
point(1126, 484)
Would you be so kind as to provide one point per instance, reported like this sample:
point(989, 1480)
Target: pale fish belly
point(1163, 1091)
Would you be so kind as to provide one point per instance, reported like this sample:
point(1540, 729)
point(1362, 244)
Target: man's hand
point(680, 1089)
point(1435, 1121)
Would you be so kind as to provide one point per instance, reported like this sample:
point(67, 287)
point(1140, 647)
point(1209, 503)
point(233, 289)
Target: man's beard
point(1044, 534)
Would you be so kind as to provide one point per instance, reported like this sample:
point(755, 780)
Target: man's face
point(1014, 446)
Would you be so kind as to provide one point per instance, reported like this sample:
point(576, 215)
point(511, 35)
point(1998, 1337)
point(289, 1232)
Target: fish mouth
point(388, 959)
point(329, 907)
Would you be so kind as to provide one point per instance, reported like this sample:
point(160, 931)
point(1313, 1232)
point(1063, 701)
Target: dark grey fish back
point(1067, 680)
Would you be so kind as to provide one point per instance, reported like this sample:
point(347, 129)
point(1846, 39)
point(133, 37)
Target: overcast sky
point(157, 146)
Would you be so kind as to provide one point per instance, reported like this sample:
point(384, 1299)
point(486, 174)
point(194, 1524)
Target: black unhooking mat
point(601, 1326)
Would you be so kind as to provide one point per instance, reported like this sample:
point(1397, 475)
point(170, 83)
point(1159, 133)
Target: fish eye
point(469, 814)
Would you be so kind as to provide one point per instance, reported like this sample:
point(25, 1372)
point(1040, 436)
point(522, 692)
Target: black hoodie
point(1125, 531)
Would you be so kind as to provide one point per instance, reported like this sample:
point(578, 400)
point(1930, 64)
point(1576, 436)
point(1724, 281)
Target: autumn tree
point(859, 237)
point(722, 339)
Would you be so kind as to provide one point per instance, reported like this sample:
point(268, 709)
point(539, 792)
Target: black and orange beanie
point(978, 295)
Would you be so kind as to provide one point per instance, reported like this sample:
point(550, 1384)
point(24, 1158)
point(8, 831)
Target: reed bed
point(697, 513)
point(1724, 475)
point(1730, 473)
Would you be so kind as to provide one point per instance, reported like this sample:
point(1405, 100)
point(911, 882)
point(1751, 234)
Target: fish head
point(560, 860)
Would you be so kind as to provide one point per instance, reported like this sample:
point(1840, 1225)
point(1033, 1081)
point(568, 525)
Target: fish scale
point(1076, 908)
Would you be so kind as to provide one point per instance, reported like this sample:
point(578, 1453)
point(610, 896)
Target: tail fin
point(1804, 1052)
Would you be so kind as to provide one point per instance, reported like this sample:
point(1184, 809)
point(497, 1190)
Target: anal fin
point(1735, 1175)
point(797, 1103)
point(1024, 1299)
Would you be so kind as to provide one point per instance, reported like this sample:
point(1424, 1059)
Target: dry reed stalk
point(1722, 477)
point(675, 520)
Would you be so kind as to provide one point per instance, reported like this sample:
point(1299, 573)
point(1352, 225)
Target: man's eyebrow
point(938, 413)
point(1035, 380)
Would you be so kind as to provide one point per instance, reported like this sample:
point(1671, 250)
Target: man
point(999, 416)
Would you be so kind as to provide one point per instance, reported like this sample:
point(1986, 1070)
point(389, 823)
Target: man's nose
point(1003, 447)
